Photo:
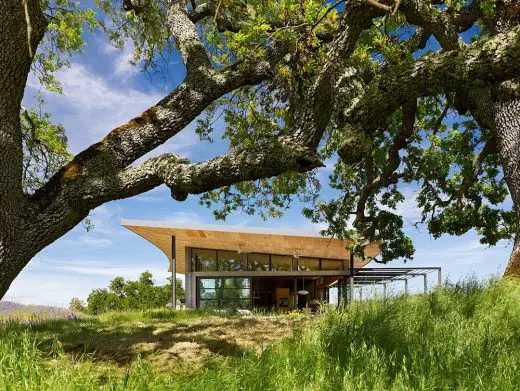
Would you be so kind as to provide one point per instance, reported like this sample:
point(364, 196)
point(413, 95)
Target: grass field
point(460, 338)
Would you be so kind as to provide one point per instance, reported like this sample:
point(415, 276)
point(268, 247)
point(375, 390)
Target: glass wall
point(224, 292)
point(281, 262)
point(331, 264)
point(258, 262)
point(203, 260)
point(230, 261)
point(308, 264)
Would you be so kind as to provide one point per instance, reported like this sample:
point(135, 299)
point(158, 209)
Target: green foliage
point(63, 38)
point(488, 7)
point(457, 191)
point(461, 337)
point(146, 30)
point(44, 146)
point(122, 295)
point(77, 305)
point(44, 143)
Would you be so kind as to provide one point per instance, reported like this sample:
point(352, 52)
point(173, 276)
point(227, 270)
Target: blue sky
point(102, 91)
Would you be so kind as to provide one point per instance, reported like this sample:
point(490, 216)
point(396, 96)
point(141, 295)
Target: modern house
point(245, 267)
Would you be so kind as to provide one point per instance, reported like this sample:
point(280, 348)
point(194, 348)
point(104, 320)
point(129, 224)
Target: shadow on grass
point(172, 343)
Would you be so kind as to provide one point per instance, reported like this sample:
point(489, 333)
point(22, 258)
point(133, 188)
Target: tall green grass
point(464, 337)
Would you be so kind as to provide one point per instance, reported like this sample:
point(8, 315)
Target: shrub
point(131, 295)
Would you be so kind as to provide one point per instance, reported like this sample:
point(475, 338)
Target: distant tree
point(77, 305)
point(117, 285)
point(146, 278)
point(101, 300)
point(179, 290)
point(132, 295)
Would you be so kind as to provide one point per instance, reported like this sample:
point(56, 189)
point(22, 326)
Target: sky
point(101, 91)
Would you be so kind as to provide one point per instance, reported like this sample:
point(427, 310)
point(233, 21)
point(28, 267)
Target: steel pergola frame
point(360, 277)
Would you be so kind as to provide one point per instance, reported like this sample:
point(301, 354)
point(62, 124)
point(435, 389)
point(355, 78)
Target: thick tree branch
point(184, 178)
point(315, 114)
point(490, 148)
point(142, 134)
point(191, 48)
point(468, 16)
point(433, 20)
point(388, 175)
point(99, 174)
point(222, 22)
point(473, 65)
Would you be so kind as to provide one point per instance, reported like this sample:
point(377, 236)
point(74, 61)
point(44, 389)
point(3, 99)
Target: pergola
point(384, 275)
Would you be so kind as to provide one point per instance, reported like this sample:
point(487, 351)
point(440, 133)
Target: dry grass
point(183, 345)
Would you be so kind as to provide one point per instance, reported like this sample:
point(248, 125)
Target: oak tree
point(296, 82)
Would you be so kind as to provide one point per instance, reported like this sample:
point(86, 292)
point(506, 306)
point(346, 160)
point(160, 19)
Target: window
point(281, 262)
point(258, 262)
point(308, 264)
point(203, 260)
point(224, 292)
point(331, 264)
point(230, 261)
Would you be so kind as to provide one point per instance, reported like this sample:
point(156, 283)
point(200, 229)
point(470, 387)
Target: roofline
point(221, 228)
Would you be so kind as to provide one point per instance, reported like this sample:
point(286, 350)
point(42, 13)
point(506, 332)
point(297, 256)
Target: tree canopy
point(121, 295)
point(393, 92)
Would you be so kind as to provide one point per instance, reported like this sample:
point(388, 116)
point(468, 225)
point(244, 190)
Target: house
point(246, 267)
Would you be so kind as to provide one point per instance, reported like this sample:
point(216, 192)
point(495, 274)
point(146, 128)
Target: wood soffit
point(245, 242)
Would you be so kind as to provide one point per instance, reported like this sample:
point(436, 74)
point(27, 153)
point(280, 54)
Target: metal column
point(174, 277)
point(425, 276)
point(384, 290)
point(351, 279)
point(295, 299)
point(439, 277)
point(406, 286)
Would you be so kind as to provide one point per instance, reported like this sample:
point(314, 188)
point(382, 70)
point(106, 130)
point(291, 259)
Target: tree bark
point(506, 113)
point(22, 27)
point(507, 128)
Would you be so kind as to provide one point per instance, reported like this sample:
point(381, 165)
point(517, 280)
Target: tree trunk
point(506, 118)
point(12, 262)
point(23, 26)
point(513, 266)
point(507, 127)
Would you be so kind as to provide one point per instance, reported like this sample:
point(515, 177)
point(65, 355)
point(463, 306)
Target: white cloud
point(95, 242)
point(147, 198)
point(185, 217)
point(469, 252)
point(91, 105)
point(408, 209)
point(122, 58)
point(105, 218)
point(101, 269)
point(45, 289)
point(52, 281)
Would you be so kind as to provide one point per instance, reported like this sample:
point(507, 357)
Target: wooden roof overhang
point(242, 239)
